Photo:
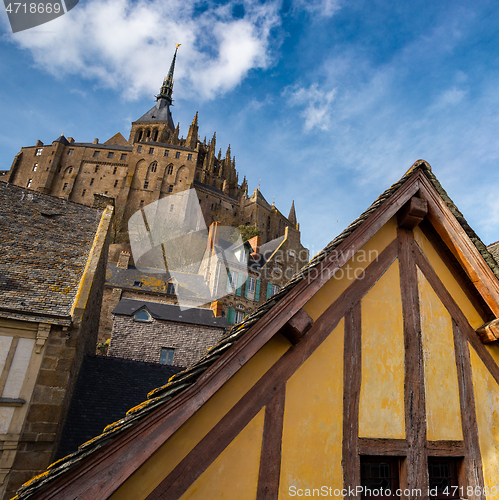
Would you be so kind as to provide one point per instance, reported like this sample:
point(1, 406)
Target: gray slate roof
point(170, 312)
point(44, 247)
point(160, 112)
point(185, 379)
point(154, 281)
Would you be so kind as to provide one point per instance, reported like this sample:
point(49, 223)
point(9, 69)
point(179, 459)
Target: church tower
point(157, 124)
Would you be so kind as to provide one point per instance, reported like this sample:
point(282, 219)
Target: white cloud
point(128, 45)
point(318, 105)
point(325, 8)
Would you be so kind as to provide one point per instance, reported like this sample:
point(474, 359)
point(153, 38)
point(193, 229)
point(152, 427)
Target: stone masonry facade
point(143, 341)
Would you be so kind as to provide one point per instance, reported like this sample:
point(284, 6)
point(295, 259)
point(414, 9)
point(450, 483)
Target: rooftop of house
point(106, 388)
point(46, 242)
point(185, 379)
point(170, 312)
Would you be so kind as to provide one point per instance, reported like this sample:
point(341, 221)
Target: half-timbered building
point(375, 368)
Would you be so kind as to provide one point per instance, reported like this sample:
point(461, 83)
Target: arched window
point(139, 136)
point(155, 135)
point(170, 169)
point(154, 166)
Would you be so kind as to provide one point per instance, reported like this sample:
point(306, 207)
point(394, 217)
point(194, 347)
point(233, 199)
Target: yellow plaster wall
point(353, 268)
point(493, 349)
point(164, 460)
point(486, 393)
point(234, 474)
point(381, 404)
point(312, 430)
point(445, 275)
point(443, 412)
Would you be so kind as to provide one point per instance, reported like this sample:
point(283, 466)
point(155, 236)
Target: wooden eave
point(117, 453)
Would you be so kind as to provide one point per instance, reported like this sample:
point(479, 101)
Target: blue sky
point(323, 102)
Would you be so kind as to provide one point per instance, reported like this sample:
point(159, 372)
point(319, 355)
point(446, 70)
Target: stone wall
point(144, 341)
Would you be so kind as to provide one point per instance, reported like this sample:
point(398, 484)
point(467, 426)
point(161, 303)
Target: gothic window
point(70, 152)
point(35, 166)
point(139, 137)
point(123, 157)
point(38, 152)
point(96, 154)
point(170, 188)
point(151, 151)
point(65, 186)
point(166, 152)
point(177, 154)
point(154, 166)
point(139, 149)
point(29, 183)
point(155, 135)
point(115, 183)
point(114, 170)
point(70, 170)
point(146, 184)
point(189, 157)
point(148, 133)
point(170, 169)
point(83, 192)
point(166, 356)
point(110, 155)
point(92, 181)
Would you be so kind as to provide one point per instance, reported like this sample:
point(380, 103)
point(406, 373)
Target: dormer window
point(170, 289)
point(137, 283)
point(143, 315)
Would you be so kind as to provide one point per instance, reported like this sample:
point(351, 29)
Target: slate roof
point(494, 250)
point(154, 281)
point(160, 112)
point(170, 312)
point(185, 379)
point(106, 388)
point(45, 245)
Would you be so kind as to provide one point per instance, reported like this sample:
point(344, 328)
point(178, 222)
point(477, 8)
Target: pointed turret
point(160, 114)
point(192, 136)
point(292, 214)
point(167, 87)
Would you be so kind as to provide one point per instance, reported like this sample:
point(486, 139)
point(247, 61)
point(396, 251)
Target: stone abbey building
point(151, 164)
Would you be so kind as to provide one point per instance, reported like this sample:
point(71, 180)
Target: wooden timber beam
point(489, 332)
point(297, 326)
point(412, 213)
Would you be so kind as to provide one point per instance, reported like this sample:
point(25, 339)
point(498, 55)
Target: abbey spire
point(167, 87)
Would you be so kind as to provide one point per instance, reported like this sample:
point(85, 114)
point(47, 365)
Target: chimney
point(255, 245)
point(216, 307)
point(96, 141)
point(123, 260)
point(71, 140)
point(213, 235)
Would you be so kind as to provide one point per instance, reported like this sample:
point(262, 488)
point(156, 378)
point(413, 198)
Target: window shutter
point(239, 284)
point(269, 290)
point(257, 291)
point(231, 313)
point(246, 288)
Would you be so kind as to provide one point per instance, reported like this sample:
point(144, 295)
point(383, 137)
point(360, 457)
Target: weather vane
point(177, 45)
